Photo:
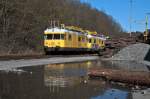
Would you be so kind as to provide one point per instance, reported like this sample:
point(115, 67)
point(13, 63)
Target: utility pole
point(130, 17)
point(145, 23)
point(146, 28)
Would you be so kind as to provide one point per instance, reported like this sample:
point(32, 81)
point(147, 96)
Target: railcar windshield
point(54, 36)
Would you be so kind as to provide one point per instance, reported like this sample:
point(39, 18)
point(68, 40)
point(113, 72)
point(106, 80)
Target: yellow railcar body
point(71, 40)
point(74, 40)
point(54, 43)
point(91, 42)
point(82, 42)
point(101, 43)
point(52, 39)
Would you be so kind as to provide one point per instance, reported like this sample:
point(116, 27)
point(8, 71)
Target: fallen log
point(124, 76)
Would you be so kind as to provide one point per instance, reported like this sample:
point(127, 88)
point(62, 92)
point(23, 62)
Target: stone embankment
point(137, 52)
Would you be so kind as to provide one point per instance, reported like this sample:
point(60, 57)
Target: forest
point(22, 22)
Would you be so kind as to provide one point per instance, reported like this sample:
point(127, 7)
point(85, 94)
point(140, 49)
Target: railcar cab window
point(48, 36)
point(54, 36)
point(45, 37)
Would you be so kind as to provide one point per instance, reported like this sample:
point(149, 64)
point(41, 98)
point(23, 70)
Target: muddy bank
point(124, 76)
point(21, 56)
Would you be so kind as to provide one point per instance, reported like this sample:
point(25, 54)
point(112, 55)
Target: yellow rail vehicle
point(95, 43)
point(57, 39)
point(69, 40)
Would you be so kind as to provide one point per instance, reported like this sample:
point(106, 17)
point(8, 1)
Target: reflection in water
point(65, 75)
point(57, 81)
point(67, 81)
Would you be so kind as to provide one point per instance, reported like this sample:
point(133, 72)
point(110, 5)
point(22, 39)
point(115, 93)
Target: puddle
point(59, 81)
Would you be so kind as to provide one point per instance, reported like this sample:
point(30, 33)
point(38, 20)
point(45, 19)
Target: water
point(58, 81)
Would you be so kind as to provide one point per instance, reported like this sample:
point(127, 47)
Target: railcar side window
point(82, 39)
point(69, 38)
point(94, 40)
point(99, 41)
point(90, 41)
point(87, 39)
point(62, 36)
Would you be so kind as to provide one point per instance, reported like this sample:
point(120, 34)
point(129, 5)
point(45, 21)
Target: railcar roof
point(91, 36)
point(49, 30)
point(60, 30)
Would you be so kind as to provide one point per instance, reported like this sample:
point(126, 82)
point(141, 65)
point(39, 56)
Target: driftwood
point(124, 76)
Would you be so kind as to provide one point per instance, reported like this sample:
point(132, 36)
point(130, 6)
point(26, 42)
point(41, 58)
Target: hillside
point(22, 22)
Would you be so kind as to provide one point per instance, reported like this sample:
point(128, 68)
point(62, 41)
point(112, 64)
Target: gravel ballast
point(135, 52)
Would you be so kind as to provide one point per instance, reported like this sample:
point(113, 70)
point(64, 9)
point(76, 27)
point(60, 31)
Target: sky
point(120, 11)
